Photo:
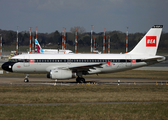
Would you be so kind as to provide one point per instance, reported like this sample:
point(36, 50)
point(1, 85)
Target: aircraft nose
point(7, 66)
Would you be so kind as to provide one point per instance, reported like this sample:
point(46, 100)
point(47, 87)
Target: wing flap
point(85, 67)
point(78, 68)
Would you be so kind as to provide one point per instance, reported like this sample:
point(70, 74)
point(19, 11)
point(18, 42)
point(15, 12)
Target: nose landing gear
point(26, 78)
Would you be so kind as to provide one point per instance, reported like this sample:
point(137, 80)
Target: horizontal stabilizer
point(156, 58)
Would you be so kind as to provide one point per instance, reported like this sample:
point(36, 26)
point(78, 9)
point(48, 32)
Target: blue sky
point(52, 15)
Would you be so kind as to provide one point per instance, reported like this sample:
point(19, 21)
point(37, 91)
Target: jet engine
point(61, 74)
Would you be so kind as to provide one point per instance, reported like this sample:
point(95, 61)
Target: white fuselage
point(43, 63)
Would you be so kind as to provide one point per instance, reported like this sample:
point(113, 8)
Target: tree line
point(117, 38)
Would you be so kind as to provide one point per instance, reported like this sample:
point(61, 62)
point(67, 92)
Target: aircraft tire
point(26, 80)
point(82, 80)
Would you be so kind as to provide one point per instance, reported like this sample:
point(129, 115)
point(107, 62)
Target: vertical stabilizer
point(39, 49)
point(148, 45)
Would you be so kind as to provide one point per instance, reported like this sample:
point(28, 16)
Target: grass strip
point(138, 111)
point(79, 94)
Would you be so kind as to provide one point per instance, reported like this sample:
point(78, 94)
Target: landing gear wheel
point(26, 80)
point(80, 80)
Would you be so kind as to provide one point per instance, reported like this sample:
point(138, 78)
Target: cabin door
point(128, 61)
point(27, 61)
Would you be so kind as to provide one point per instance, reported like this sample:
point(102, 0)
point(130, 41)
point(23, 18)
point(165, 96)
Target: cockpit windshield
point(16, 60)
point(12, 60)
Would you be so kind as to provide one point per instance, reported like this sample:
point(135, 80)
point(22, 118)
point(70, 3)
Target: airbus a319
point(67, 66)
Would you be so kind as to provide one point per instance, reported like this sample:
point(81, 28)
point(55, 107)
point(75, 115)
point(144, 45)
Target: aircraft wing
point(82, 68)
point(85, 67)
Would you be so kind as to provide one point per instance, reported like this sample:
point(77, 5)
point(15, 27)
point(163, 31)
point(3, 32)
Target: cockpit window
point(16, 60)
point(13, 60)
point(26, 60)
point(20, 60)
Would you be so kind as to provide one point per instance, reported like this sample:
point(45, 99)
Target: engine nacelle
point(61, 74)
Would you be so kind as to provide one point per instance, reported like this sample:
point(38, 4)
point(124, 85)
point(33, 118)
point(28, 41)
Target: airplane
point(67, 66)
point(40, 50)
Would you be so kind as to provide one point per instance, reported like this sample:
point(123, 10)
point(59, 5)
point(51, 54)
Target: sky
point(52, 15)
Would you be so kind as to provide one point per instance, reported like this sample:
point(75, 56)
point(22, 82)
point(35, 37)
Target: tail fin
point(148, 45)
point(39, 49)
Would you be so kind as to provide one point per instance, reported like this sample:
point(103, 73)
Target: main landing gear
point(26, 78)
point(80, 80)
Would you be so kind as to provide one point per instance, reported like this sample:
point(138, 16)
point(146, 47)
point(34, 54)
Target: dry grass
point(140, 111)
point(73, 94)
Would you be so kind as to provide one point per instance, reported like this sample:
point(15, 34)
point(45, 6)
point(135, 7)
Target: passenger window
point(27, 60)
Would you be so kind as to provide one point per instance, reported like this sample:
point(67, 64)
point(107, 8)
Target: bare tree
point(80, 30)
